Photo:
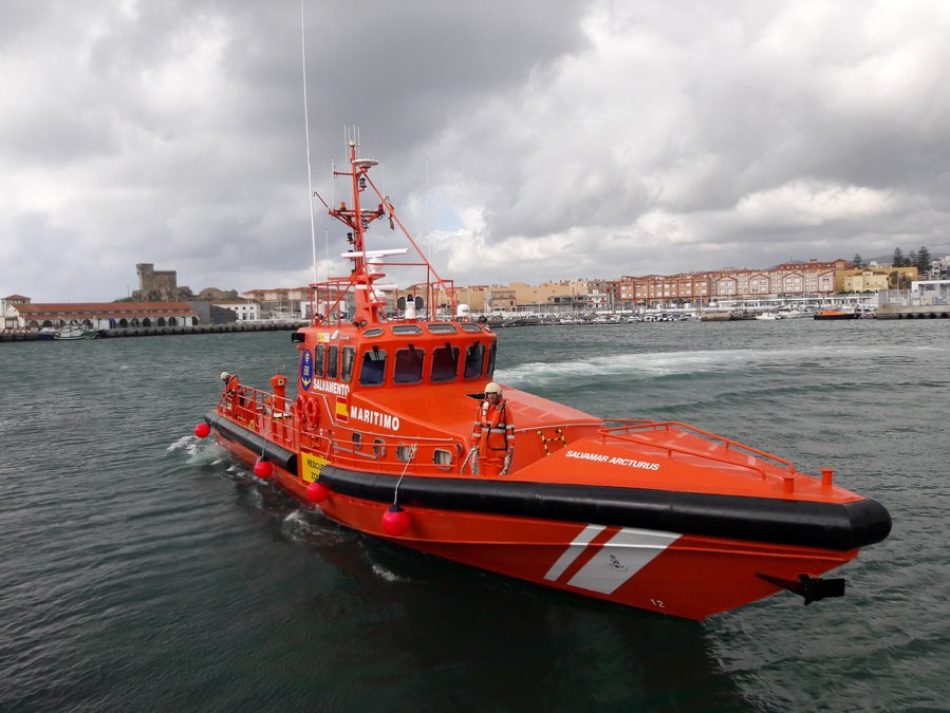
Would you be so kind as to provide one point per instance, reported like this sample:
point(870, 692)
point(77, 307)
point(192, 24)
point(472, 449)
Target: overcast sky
point(563, 140)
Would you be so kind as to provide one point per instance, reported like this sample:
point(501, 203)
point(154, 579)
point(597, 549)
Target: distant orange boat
point(379, 434)
point(838, 313)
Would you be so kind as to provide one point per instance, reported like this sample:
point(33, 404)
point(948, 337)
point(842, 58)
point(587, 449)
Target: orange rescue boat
point(657, 515)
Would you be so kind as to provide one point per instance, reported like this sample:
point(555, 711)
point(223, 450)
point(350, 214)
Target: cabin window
point(409, 363)
point(407, 329)
point(442, 328)
point(442, 457)
point(318, 360)
point(374, 332)
point(471, 327)
point(490, 369)
point(445, 363)
point(332, 361)
point(349, 357)
point(374, 367)
point(379, 448)
point(404, 453)
point(474, 359)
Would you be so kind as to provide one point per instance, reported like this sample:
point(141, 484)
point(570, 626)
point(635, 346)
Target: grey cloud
point(174, 133)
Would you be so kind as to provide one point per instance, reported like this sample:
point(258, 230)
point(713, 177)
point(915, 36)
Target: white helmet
point(225, 375)
point(493, 388)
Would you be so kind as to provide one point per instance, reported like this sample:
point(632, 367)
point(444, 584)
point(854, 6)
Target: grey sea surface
point(143, 570)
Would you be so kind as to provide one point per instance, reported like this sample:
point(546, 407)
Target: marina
point(154, 536)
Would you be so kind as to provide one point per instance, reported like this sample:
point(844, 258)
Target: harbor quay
point(261, 326)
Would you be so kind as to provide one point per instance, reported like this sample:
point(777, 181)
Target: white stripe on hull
point(574, 550)
point(625, 554)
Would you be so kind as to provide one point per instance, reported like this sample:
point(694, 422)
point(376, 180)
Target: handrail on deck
point(626, 428)
point(263, 412)
point(376, 449)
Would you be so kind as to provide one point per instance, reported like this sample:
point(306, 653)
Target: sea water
point(141, 569)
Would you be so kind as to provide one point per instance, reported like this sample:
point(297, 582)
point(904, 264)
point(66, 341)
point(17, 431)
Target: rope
point(412, 455)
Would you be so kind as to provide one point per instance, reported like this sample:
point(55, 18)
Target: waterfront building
point(501, 298)
point(475, 296)
point(873, 279)
point(280, 302)
point(9, 316)
point(926, 293)
point(104, 315)
point(244, 310)
point(790, 279)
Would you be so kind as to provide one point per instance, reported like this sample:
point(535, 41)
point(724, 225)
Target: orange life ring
point(311, 414)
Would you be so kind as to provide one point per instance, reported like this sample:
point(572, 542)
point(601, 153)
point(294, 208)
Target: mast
point(358, 220)
point(367, 302)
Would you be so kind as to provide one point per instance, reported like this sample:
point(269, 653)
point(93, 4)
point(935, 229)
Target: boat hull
point(668, 573)
point(662, 551)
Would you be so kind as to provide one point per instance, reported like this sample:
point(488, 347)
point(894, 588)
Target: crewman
point(493, 438)
point(232, 387)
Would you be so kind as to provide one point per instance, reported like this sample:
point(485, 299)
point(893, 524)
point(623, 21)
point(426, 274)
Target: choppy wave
point(143, 568)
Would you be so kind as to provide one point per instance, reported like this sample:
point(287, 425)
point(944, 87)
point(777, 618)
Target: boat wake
point(633, 366)
point(313, 529)
point(388, 575)
point(199, 452)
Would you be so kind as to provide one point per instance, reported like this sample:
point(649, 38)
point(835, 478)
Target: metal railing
point(263, 412)
point(627, 430)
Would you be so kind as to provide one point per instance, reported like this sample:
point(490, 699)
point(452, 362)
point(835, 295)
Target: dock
point(230, 327)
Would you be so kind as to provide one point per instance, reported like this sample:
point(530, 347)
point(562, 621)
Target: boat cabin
point(394, 391)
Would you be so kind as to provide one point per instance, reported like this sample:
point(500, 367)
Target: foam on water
point(199, 452)
point(186, 443)
point(387, 575)
point(658, 364)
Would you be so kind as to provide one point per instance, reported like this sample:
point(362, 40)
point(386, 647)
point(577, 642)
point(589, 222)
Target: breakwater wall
point(913, 312)
point(231, 327)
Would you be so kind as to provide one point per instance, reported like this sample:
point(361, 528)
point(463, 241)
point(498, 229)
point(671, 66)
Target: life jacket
point(493, 432)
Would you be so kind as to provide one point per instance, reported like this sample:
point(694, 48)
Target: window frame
point(422, 365)
point(481, 362)
point(382, 372)
point(347, 354)
point(456, 352)
point(333, 361)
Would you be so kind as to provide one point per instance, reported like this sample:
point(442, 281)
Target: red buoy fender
point(317, 492)
point(263, 469)
point(395, 521)
point(202, 430)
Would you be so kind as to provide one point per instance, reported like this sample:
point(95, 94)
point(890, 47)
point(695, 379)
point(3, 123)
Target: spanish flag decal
point(342, 410)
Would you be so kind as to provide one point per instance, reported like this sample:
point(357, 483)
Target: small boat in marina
point(388, 429)
point(74, 333)
point(845, 312)
point(769, 316)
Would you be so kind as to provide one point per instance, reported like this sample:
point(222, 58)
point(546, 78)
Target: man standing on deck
point(493, 437)
point(232, 387)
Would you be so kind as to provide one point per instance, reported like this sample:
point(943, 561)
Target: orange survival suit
point(493, 437)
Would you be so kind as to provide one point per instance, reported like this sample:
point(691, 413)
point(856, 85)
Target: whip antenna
point(306, 123)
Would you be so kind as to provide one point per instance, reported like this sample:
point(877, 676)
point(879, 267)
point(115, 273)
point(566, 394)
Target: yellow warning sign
point(310, 466)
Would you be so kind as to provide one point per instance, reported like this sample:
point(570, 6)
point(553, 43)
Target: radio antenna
point(306, 123)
